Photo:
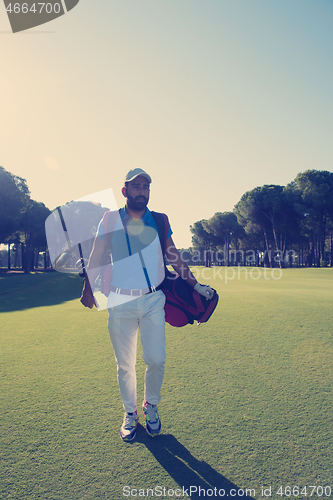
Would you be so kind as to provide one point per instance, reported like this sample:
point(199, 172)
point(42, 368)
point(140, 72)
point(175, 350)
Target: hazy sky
point(211, 97)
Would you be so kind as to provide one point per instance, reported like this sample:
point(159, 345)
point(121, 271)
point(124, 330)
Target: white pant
point(146, 313)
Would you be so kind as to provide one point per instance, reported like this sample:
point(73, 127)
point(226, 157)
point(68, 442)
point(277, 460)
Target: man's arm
point(93, 266)
point(178, 263)
point(183, 270)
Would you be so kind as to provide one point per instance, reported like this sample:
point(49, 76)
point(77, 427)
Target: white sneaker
point(128, 429)
point(153, 423)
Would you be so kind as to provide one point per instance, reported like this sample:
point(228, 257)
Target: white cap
point(133, 174)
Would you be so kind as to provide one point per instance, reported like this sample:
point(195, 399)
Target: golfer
point(134, 301)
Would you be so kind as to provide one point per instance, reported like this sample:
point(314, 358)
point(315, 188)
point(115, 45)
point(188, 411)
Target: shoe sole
point(126, 439)
point(153, 435)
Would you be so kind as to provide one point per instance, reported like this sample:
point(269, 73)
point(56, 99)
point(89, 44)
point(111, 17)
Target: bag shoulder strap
point(106, 218)
point(162, 223)
point(161, 220)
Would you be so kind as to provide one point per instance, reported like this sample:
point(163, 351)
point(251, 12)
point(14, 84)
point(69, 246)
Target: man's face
point(138, 193)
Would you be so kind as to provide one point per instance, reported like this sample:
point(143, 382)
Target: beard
point(138, 203)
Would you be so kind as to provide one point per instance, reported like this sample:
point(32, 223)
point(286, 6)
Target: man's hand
point(87, 298)
point(204, 290)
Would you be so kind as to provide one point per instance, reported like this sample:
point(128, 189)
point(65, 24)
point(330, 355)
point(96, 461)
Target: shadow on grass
point(26, 291)
point(188, 472)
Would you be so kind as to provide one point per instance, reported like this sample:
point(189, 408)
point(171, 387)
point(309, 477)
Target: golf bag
point(183, 304)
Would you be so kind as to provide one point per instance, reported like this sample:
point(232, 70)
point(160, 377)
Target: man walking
point(134, 301)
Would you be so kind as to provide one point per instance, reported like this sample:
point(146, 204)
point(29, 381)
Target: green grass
point(246, 399)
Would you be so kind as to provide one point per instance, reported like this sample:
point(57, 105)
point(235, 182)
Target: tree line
point(272, 225)
point(22, 225)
